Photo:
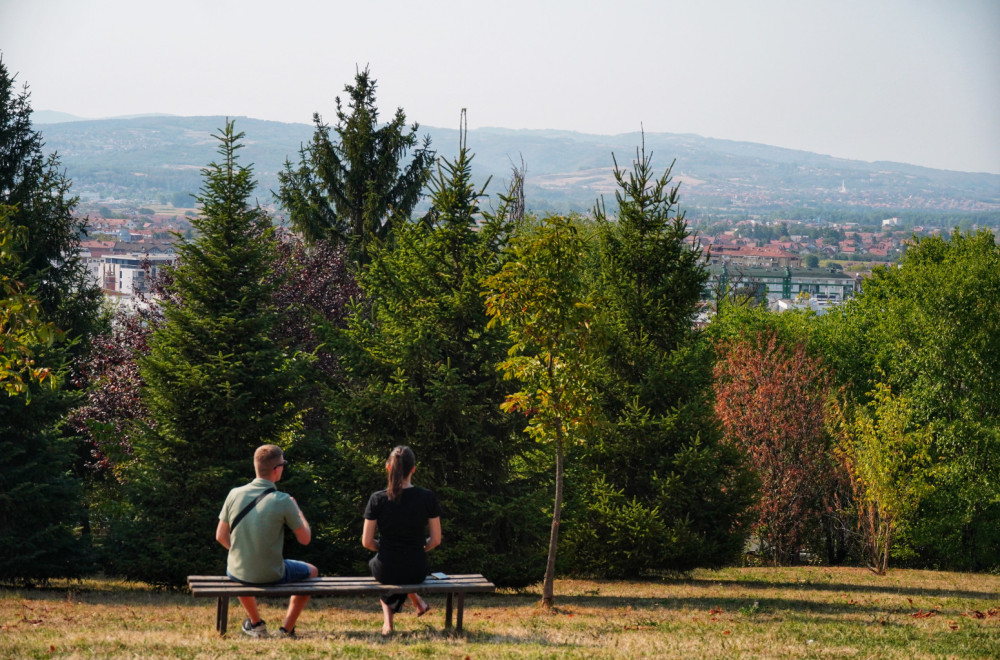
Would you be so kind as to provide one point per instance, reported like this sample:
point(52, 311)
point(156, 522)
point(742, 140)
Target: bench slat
point(331, 578)
point(218, 586)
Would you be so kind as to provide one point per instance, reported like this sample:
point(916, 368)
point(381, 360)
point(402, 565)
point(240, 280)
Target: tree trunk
point(550, 566)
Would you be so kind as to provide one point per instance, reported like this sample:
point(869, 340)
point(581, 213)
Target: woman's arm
point(368, 536)
point(434, 540)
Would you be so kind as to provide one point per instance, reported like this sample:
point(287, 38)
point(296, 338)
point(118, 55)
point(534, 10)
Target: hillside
point(159, 158)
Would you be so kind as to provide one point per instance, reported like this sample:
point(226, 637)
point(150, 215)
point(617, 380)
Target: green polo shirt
point(256, 543)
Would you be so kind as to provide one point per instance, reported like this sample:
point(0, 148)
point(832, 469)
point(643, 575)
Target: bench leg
point(222, 615)
point(461, 610)
point(447, 613)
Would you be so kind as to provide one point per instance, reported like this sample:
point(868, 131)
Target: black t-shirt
point(402, 524)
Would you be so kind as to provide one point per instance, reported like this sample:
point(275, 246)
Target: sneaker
point(259, 630)
point(287, 634)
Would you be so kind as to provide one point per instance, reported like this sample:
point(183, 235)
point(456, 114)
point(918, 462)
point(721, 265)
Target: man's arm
point(303, 533)
point(222, 534)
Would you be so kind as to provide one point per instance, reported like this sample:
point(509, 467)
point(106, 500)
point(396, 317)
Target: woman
point(402, 512)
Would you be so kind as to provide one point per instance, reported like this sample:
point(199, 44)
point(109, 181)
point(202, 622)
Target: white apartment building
point(127, 274)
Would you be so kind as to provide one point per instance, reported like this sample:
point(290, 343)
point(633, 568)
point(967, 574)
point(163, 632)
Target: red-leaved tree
point(771, 402)
point(109, 373)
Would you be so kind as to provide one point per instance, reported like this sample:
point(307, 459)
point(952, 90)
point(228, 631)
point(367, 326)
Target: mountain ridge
point(158, 156)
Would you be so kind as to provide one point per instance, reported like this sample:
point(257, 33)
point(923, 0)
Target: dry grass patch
point(732, 613)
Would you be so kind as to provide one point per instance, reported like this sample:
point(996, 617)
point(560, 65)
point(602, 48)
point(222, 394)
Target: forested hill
point(159, 158)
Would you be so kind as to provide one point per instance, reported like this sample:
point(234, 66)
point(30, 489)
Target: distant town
point(785, 264)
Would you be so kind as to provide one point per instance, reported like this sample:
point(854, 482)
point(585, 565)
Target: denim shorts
point(294, 571)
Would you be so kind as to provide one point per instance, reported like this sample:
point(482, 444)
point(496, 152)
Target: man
point(251, 527)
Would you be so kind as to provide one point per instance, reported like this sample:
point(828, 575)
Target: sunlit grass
point(733, 613)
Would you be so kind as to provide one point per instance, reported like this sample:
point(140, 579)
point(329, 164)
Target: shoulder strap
point(248, 508)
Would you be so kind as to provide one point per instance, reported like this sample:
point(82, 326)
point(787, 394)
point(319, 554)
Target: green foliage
point(329, 477)
point(617, 537)
point(890, 467)
point(425, 376)
point(929, 329)
point(49, 263)
point(217, 385)
point(21, 327)
point(649, 278)
point(540, 297)
point(353, 190)
point(40, 499)
point(47, 295)
point(743, 318)
point(659, 457)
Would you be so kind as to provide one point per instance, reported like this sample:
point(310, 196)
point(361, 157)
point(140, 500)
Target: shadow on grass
point(762, 585)
point(745, 604)
point(739, 595)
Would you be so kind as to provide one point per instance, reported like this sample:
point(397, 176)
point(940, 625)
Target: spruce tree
point(661, 491)
point(354, 189)
point(216, 383)
point(40, 500)
point(427, 378)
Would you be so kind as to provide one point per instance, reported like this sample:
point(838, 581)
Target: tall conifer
point(662, 492)
point(217, 385)
point(426, 362)
point(354, 189)
point(40, 500)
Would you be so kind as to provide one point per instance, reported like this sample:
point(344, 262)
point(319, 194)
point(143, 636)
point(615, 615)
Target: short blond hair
point(266, 458)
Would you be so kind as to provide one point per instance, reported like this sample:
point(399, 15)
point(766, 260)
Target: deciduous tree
point(541, 298)
point(21, 326)
point(890, 468)
point(929, 329)
point(771, 401)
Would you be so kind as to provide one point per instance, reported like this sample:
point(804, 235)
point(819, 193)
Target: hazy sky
point(915, 81)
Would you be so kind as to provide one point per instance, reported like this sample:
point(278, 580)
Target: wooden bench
point(223, 588)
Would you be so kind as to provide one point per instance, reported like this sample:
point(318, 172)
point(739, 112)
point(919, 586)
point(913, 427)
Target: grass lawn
point(800, 612)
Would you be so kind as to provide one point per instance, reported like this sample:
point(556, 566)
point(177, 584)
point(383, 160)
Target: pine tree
point(217, 384)
point(354, 190)
point(40, 500)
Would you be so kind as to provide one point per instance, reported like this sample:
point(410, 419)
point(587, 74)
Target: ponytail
point(401, 462)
